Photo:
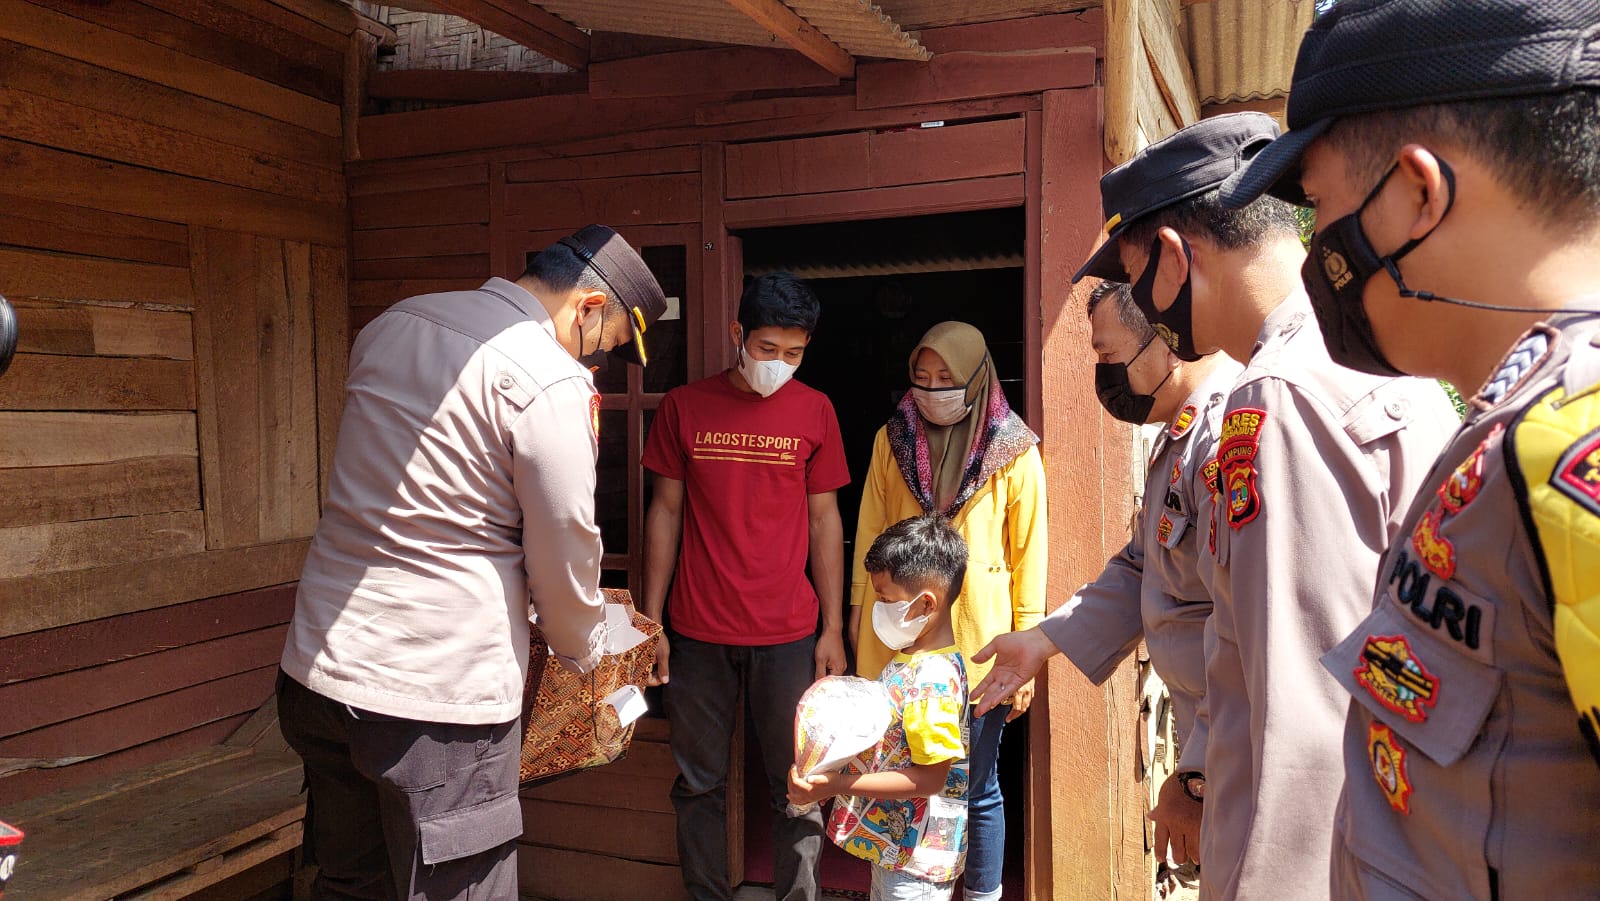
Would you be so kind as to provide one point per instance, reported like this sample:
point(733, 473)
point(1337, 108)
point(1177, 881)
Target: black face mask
point(1116, 394)
point(1175, 325)
point(598, 360)
point(1336, 272)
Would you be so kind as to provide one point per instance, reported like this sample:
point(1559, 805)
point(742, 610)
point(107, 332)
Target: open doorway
point(882, 284)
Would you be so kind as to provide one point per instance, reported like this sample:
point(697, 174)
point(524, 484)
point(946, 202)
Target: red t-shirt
point(748, 464)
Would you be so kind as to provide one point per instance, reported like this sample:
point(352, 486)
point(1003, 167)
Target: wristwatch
point(1194, 784)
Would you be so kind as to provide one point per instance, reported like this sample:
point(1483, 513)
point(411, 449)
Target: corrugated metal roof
point(860, 27)
point(1245, 49)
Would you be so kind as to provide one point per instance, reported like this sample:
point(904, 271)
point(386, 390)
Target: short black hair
point(778, 299)
point(1204, 215)
point(563, 270)
point(1121, 297)
point(921, 553)
point(1545, 149)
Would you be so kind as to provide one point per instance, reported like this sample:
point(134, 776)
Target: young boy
point(906, 807)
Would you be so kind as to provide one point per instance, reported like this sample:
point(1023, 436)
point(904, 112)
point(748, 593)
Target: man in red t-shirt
point(747, 465)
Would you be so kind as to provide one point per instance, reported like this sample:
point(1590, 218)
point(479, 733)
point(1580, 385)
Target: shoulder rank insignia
point(1396, 678)
point(1180, 426)
point(1463, 485)
point(1434, 550)
point(1236, 456)
point(1523, 359)
point(1389, 766)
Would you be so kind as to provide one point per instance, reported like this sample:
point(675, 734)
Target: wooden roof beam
point(782, 21)
point(528, 25)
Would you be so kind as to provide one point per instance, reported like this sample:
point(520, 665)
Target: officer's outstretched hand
point(1017, 657)
point(1177, 819)
point(659, 676)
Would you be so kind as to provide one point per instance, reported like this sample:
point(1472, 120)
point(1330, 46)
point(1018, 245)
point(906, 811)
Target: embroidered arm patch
point(1236, 458)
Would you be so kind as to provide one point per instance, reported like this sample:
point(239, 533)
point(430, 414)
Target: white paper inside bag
point(621, 636)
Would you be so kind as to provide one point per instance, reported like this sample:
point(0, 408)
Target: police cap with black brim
point(1186, 163)
point(1364, 56)
point(628, 278)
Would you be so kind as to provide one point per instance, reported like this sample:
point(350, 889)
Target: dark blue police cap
point(1187, 162)
point(1364, 56)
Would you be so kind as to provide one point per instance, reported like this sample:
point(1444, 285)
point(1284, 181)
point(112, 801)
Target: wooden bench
point(167, 830)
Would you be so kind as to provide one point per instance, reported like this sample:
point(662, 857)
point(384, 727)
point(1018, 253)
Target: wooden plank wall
point(443, 198)
point(173, 234)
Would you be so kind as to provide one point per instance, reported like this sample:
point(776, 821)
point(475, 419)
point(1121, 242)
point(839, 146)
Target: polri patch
point(1463, 485)
point(1164, 529)
point(1176, 474)
point(1180, 426)
point(1577, 473)
point(1236, 456)
point(594, 415)
point(1435, 551)
point(1395, 678)
point(1389, 766)
point(1209, 471)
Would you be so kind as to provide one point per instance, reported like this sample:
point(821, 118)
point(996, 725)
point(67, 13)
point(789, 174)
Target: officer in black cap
point(1452, 152)
point(1300, 438)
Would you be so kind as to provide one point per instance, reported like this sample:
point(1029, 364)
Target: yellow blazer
point(1007, 540)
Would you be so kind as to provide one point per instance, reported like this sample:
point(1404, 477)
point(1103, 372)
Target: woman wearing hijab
point(954, 447)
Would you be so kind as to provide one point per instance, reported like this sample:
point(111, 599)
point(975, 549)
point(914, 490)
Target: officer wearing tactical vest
point(1315, 463)
point(1452, 153)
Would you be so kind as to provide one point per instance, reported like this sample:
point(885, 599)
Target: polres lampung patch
point(1236, 460)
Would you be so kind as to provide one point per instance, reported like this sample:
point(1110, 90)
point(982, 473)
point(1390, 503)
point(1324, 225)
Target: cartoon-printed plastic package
point(836, 719)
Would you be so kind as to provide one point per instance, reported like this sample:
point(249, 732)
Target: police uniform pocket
point(1420, 752)
point(455, 834)
point(1436, 697)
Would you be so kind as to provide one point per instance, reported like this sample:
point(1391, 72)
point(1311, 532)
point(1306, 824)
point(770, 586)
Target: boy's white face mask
point(893, 629)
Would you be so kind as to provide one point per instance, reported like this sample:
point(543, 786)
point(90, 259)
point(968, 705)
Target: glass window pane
point(668, 339)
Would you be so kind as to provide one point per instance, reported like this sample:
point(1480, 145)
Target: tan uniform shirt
point(1151, 589)
point(462, 488)
point(1466, 775)
point(1316, 464)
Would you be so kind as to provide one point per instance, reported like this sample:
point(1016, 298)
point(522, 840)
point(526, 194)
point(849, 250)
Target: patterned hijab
point(946, 465)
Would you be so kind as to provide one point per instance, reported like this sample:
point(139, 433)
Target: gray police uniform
point(1152, 589)
point(1466, 774)
point(1316, 463)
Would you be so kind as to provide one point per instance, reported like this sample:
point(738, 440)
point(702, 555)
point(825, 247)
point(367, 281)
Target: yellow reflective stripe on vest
point(1557, 454)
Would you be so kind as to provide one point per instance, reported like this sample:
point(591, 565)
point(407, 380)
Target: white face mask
point(765, 377)
point(941, 406)
point(893, 629)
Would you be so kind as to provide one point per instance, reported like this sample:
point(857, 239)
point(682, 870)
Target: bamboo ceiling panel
point(1245, 49)
point(859, 27)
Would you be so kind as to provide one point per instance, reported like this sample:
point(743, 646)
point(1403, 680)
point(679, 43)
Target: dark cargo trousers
point(402, 808)
point(702, 698)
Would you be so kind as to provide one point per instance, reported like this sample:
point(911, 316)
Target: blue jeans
point(986, 807)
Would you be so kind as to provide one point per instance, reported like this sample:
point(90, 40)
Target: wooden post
point(1085, 833)
point(1124, 62)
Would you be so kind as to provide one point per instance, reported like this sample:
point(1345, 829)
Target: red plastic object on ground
point(10, 841)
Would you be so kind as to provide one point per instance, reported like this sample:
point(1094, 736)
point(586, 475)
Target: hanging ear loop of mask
point(1391, 265)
